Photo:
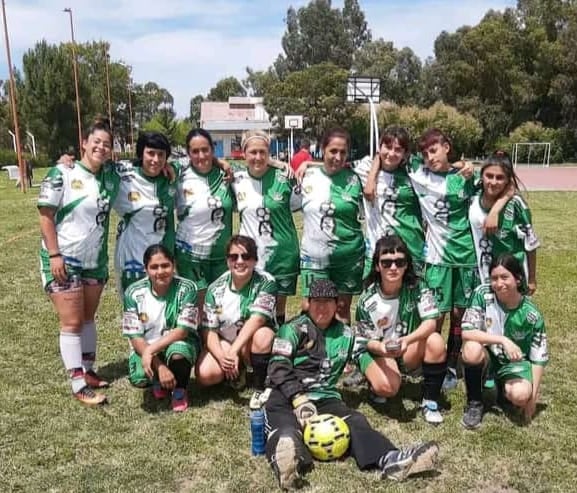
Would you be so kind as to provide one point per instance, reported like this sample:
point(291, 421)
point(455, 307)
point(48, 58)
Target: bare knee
point(519, 393)
point(262, 341)
point(473, 353)
point(435, 350)
point(385, 385)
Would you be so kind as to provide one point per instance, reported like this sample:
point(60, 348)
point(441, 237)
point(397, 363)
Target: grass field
point(50, 443)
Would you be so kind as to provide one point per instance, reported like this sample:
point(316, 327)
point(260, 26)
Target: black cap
point(323, 288)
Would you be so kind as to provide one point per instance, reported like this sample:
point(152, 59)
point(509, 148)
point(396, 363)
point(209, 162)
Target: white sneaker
point(431, 412)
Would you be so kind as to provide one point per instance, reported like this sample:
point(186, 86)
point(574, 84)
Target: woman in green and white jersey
point(74, 205)
point(514, 231)
point(205, 205)
point(238, 318)
point(504, 327)
point(332, 244)
point(161, 322)
point(145, 204)
point(265, 198)
point(401, 311)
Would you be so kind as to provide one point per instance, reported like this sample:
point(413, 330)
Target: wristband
point(299, 399)
point(55, 255)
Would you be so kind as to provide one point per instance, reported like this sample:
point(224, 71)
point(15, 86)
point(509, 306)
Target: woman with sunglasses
point(239, 319)
point(74, 205)
point(161, 320)
point(332, 243)
point(503, 327)
point(395, 309)
point(265, 198)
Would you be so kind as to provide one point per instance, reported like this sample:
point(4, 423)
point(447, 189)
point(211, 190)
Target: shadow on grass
point(114, 371)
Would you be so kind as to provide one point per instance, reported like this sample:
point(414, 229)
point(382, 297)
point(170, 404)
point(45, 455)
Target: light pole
point(75, 69)
point(13, 103)
point(106, 65)
point(131, 123)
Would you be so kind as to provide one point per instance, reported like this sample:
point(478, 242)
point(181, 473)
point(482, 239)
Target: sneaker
point(399, 464)
point(159, 392)
point(354, 378)
point(285, 463)
point(473, 415)
point(179, 402)
point(93, 380)
point(239, 383)
point(450, 381)
point(376, 399)
point(90, 398)
point(258, 398)
point(431, 412)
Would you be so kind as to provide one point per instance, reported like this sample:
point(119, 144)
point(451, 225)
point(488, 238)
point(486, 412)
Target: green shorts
point(348, 279)
point(188, 349)
point(453, 286)
point(99, 275)
point(202, 271)
point(513, 370)
point(286, 285)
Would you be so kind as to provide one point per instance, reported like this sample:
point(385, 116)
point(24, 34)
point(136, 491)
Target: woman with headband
point(265, 197)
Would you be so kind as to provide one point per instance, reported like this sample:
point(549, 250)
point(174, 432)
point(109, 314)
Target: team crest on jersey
point(488, 323)
point(281, 177)
point(277, 197)
point(77, 184)
point(308, 189)
point(352, 180)
point(532, 317)
point(241, 196)
point(133, 196)
point(383, 322)
point(143, 317)
point(188, 192)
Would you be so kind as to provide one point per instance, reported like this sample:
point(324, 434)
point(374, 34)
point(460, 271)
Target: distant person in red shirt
point(302, 155)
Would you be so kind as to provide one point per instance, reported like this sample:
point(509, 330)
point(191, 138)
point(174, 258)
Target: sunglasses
point(235, 256)
point(387, 263)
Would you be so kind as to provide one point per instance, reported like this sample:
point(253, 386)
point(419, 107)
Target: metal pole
point(33, 142)
point(13, 135)
point(75, 69)
point(13, 104)
point(106, 63)
point(130, 114)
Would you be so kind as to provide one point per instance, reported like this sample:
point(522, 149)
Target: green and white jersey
point(331, 205)
point(265, 206)
point(82, 200)
point(150, 316)
point(515, 234)
point(306, 359)
point(391, 318)
point(226, 309)
point(395, 209)
point(146, 208)
point(204, 206)
point(444, 200)
point(524, 325)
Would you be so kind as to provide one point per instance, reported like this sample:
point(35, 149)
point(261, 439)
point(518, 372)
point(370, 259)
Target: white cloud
point(186, 46)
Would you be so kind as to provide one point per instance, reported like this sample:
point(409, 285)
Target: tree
point(195, 103)
point(318, 93)
point(225, 88)
point(317, 33)
point(149, 99)
point(257, 82)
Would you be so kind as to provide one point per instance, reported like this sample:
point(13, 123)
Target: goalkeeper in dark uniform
point(308, 357)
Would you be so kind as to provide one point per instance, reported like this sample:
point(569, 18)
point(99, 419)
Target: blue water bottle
point(257, 431)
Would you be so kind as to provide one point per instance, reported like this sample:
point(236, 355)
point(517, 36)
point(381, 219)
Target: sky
point(186, 46)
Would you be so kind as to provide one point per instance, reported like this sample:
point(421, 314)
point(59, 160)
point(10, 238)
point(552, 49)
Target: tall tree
point(317, 33)
point(225, 88)
point(195, 103)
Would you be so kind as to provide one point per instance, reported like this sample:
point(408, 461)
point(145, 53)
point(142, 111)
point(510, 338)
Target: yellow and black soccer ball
point(327, 437)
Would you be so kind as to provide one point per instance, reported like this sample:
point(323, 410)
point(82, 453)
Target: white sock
point(88, 341)
point(71, 352)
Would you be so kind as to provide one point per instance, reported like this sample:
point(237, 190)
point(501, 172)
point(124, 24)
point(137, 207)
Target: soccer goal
point(531, 154)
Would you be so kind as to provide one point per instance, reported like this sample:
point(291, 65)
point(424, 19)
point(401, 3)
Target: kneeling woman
point(395, 309)
point(161, 320)
point(238, 318)
point(504, 327)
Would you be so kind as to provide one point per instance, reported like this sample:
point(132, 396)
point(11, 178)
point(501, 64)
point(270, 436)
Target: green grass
point(51, 443)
